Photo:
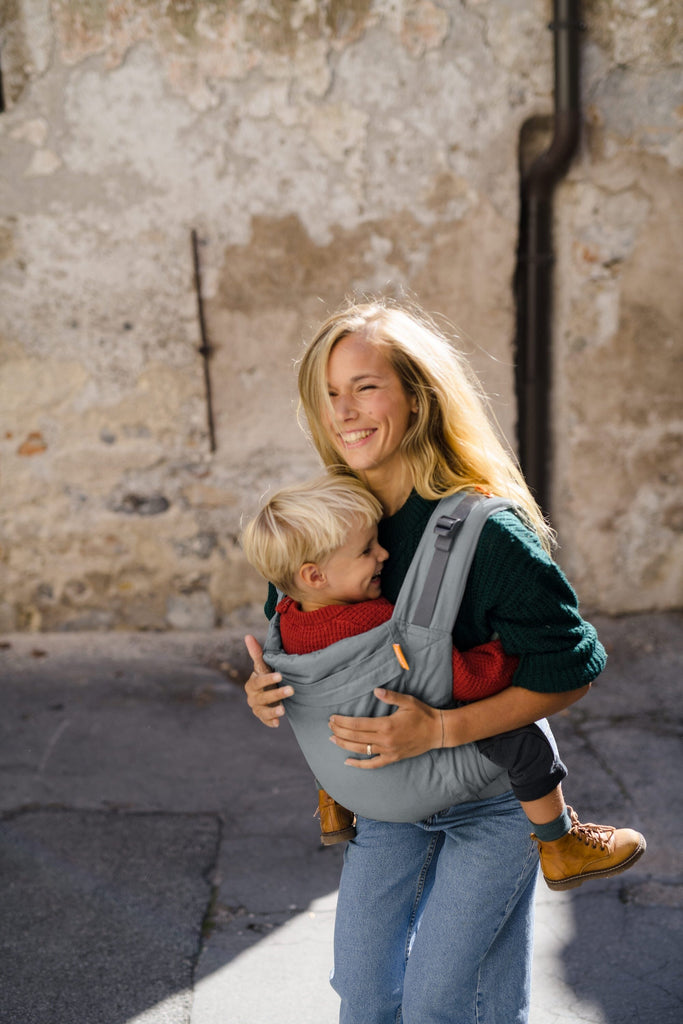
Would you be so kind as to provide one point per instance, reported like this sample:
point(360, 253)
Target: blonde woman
point(434, 918)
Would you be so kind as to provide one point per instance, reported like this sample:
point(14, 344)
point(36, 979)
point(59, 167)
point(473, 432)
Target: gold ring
point(369, 749)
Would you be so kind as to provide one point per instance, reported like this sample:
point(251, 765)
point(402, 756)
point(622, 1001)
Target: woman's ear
point(311, 575)
point(414, 404)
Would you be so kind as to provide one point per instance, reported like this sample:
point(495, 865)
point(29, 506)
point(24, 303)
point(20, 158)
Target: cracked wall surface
point(320, 150)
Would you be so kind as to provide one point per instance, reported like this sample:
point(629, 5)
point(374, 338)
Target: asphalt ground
point(160, 861)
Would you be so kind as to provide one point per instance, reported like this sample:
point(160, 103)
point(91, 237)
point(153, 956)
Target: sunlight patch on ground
point(173, 1010)
point(552, 1000)
point(283, 977)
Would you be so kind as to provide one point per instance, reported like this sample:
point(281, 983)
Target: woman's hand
point(416, 727)
point(413, 728)
point(263, 695)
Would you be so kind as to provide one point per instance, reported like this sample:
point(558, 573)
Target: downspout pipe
point(534, 273)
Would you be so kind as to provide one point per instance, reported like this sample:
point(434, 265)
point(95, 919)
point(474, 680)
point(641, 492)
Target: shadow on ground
point(623, 950)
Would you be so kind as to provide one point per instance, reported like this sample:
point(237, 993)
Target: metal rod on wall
point(2, 90)
point(205, 348)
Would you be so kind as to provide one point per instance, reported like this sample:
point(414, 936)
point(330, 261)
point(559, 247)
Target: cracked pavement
point(159, 854)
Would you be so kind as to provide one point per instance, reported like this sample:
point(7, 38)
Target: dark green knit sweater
point(514, 589)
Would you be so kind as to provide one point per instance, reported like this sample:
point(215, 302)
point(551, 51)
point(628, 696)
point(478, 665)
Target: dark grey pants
point(529, 760)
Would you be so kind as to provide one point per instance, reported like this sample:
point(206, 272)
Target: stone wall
point(319, 150)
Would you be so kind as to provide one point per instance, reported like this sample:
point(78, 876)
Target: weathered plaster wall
point(319, 149)
point(619, 358)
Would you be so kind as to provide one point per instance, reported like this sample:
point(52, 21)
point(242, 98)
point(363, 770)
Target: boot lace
point(589, 833)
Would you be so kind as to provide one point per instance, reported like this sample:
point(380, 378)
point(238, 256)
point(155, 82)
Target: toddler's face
point(353, 571)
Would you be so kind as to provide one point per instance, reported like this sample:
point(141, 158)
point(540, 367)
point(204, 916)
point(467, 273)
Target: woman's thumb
point(255, 652)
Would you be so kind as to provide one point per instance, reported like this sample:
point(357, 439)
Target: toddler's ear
point(311, 575)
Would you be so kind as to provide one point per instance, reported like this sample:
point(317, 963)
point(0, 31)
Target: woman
point(434, 919)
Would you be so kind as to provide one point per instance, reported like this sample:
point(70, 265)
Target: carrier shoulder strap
point(446, 528)
point(446, 551)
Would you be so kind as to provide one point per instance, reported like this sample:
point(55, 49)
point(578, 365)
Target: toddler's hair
point(306, 523)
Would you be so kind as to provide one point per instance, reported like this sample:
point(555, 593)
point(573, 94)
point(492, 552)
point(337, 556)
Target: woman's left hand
point(413, 728)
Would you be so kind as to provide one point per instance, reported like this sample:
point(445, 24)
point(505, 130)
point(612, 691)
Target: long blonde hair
point(451, 445)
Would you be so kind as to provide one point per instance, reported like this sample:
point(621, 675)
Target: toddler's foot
point(588, 851)
point(336, 823)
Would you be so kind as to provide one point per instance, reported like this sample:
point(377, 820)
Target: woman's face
point(371, 409)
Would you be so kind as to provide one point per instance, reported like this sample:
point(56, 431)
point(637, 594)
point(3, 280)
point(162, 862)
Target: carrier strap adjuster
point(446, 528)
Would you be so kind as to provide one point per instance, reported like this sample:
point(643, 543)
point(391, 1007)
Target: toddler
point(317, 542)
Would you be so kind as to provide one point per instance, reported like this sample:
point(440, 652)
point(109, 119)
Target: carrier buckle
point(445, 528)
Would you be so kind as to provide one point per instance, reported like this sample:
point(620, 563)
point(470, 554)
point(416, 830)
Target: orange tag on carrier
point(400, 656)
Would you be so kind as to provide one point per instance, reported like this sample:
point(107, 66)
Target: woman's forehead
point(354, 356)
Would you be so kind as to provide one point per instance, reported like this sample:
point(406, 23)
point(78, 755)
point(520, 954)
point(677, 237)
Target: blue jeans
point(434, 920)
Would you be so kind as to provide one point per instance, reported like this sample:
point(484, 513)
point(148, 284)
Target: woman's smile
point(355, 437)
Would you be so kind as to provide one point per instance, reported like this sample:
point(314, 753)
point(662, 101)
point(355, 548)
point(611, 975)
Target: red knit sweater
point(477, 673)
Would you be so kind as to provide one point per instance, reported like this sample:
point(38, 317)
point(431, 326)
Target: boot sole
point(330, 838)
point(576, 880)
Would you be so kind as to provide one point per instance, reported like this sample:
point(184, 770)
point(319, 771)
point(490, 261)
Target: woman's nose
point(344, 407)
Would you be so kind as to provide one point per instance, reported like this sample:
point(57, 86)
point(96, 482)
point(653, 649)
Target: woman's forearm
point(415, 727)
point(509, 709)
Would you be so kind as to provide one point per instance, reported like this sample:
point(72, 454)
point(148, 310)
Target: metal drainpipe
point(533, 276)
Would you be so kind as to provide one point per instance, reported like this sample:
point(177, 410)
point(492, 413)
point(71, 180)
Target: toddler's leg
point(570, 852)
point(548, 814)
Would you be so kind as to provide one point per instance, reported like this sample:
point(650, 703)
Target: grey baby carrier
point(341, 678)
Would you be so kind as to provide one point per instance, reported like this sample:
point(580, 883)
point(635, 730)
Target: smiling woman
point(434, 917)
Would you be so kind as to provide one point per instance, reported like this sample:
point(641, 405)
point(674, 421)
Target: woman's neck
point(391, 490)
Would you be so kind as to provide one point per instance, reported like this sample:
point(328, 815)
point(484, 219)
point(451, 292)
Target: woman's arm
point(264, 697)
point(415, 727)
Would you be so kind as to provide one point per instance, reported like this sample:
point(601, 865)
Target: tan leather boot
point(588, 851)
point(336, 823)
